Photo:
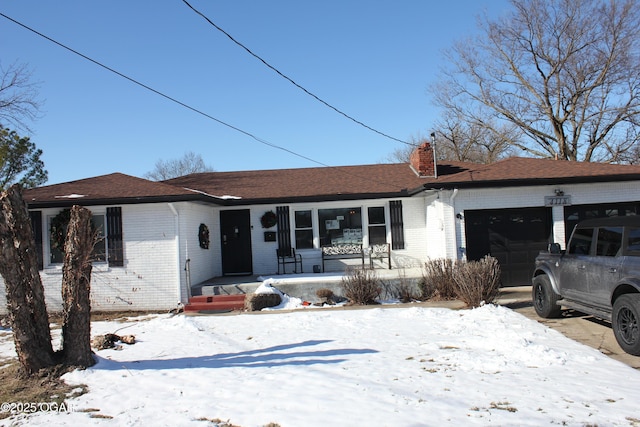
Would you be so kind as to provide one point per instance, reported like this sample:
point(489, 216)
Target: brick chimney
point(422, 160)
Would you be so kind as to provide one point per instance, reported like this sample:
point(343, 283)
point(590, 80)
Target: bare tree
point(402, 153)
point(76, 286)
point(167, 169)
point(24, 290)
point(25, 294)
point(18, 96)
point(564, 72)
point(457, 139)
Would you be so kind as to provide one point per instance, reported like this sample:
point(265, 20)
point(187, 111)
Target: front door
point(235, 235)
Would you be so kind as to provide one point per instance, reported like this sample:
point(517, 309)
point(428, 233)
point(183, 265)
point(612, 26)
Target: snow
point(378, 366)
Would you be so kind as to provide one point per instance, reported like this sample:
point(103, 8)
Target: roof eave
point(315, 198)
point(528, 182)
point(63, 203)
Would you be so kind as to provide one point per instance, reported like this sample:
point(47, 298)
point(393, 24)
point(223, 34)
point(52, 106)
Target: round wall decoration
point(269, 219)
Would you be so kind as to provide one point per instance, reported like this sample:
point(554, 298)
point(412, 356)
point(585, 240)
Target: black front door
point(513, 236)
point(235, 232)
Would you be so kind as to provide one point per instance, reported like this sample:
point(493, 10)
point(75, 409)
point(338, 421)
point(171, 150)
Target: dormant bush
point(477, 282)
point(437, 279)
point(361, 286)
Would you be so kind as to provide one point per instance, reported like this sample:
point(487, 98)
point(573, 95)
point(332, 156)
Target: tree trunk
point(76, 286)
point(25, 294)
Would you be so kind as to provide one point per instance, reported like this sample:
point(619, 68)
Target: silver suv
point(598, 274)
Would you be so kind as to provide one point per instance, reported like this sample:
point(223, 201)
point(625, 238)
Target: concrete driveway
point(575, 325)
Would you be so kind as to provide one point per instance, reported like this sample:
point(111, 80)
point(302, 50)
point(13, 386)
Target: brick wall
point(422, 160)
point(147, 281)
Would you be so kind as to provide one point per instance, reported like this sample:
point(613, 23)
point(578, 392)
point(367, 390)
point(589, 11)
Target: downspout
point(455, 231)
point(176, 216)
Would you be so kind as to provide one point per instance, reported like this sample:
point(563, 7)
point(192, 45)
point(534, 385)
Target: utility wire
point(157, 92)
point(317, 98)
point(182, 104)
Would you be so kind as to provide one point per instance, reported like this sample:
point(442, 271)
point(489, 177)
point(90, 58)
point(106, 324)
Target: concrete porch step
point(215, 303)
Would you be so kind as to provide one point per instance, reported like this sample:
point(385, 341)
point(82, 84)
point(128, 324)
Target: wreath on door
point(269, 219)
point(203, 236)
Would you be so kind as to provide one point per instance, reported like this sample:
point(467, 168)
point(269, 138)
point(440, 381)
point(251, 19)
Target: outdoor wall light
point(459, 216)
point(559, 192)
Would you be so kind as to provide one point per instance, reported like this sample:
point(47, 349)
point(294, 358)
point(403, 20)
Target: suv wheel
point(625, 322)
point(544, 298)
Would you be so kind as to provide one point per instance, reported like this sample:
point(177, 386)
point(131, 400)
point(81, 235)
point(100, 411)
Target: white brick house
point(152, 250)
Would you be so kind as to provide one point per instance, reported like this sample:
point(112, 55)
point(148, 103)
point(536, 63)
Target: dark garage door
point(513, 236)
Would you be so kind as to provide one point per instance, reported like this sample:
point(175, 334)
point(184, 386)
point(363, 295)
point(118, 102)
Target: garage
point(513, 236)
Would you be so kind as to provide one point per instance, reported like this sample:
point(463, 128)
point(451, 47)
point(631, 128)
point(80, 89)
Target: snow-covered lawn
point(409, 366)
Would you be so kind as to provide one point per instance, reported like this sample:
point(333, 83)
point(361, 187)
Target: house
point(161, 238)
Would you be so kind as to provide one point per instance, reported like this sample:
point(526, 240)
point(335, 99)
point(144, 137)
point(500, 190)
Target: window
point(581, 241)
point(99, 249)
point(340, 226)
point(109, 246)
point(633, 241)
point(377, 226)
point(609, 241)
point(304, 230)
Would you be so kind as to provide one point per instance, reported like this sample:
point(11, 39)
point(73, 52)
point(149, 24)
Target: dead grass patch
point(46, 387)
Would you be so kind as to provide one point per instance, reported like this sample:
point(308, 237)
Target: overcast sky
point(373, 60)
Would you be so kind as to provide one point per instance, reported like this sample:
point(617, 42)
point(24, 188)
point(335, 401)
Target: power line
point(182, 104)
point(157, 92)
point(317, 98)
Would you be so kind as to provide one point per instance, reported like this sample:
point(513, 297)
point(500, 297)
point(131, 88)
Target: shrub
point(401, 289)
point(361, 286)
point(324, 293)
point(477, 282)
point(256, 302)
point(437, 279)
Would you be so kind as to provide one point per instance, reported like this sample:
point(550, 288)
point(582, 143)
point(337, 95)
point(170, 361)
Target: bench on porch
point(289, 256)
point(380, 252)
point(342, 251)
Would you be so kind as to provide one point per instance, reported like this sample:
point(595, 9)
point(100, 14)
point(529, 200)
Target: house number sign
point(557, 200)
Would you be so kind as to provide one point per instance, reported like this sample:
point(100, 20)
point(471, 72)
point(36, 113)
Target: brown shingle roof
point(530, 171)
point(115, 188)
point(326, 183)
point(313, 183)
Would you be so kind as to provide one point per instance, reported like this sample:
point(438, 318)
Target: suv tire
point(544, 298)
point(625, 321)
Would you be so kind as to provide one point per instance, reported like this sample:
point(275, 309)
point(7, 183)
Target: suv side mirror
point(554, 248)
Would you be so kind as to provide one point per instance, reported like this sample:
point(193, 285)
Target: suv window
point(581, 241)
point(633, 241)
point(609, 241)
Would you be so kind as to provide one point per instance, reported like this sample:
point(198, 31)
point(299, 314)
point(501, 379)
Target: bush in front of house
point(257, 302)
point(401, 289)
point(437, 279)
point(477, 282)
point(361, 286)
